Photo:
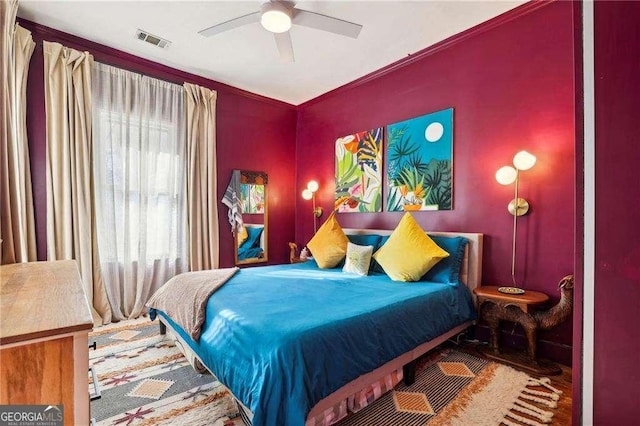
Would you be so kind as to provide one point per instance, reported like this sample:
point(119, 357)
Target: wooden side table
point(494, 306)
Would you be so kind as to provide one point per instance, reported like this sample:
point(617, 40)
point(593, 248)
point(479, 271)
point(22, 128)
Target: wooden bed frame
point(470, 274)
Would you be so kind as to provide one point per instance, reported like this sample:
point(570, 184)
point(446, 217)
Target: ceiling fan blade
point(326, 23)
point(229, 25)
point(285, 47)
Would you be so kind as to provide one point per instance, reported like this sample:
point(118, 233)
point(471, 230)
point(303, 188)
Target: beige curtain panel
point(71, 221)
point(201, 178)
point(18, 226)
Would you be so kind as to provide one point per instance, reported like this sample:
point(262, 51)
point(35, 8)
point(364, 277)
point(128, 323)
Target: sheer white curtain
point(140, 178)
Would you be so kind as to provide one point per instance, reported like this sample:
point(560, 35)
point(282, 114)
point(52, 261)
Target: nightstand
point(495, 306)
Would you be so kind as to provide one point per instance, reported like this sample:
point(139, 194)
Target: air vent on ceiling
point(150, 38)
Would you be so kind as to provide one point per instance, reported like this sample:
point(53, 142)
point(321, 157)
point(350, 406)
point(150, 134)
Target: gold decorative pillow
point(242, 235)
point(409, 252)
point(358, 259)
point(329, 245)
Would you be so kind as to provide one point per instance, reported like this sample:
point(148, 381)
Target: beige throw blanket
point(184, 297)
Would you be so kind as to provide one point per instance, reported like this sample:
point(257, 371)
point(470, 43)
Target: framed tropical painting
point(420, 163)
point(359, 172)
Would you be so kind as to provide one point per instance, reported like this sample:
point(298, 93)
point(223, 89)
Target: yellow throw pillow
point(242, 236)
point(409, 252)
point(329, 245)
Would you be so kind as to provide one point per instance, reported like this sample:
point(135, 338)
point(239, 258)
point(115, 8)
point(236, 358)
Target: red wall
point(617, 250)
point(512, 87)
point(511, 84)
point(253, 133)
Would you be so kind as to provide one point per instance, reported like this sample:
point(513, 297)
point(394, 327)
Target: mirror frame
point(255, 178)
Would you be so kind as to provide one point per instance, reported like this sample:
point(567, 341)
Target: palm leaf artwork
point(359, 172)
point(372, 200)
point(441, 180)
point(416, 162)
point(369, 150)
point(394, 200)
point(413, 189)
point(400, 146)
point(419, 163)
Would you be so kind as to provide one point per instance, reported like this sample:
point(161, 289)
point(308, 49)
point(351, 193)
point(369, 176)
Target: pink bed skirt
point(357, 401)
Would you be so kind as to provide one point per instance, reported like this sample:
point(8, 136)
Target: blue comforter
point(282, 338)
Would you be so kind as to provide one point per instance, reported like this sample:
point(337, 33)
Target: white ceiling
point(247, 57)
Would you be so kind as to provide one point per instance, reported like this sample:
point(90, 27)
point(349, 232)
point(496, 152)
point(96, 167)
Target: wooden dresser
point(44, 325)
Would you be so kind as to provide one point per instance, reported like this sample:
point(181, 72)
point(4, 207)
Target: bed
point(291, 342)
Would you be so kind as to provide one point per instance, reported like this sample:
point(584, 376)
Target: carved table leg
point(494, 326)
point(530, 331)
point(489, 315)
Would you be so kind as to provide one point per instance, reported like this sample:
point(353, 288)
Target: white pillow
point(358, 259)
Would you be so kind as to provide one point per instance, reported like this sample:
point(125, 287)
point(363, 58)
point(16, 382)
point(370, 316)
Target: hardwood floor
point(562, 414)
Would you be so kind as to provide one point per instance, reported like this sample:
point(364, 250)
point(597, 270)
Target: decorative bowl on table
point(510, 290)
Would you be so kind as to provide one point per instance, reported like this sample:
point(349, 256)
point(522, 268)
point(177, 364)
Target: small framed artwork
point(420, 163)
point(359, 172)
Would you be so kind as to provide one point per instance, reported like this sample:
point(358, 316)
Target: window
point(142, 187)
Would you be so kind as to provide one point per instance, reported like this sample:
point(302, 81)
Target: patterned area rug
point(145, 380)
point(455, 388)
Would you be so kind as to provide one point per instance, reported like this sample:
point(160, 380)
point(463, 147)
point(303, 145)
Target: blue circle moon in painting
point(434, 132)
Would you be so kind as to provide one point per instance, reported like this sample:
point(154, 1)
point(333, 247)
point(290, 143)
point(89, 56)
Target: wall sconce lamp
point(518, 206)
point(310, 194)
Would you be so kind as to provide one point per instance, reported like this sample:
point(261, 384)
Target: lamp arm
point(515, 232)
point(315, 218)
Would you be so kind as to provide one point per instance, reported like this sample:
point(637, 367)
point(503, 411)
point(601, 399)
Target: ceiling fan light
point(275, 17)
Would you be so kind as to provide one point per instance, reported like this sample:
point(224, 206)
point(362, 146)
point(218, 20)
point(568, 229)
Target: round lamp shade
point(275, 17)
point(524, 160)
point(307, 194)
point(312, 186)
point(506, 175)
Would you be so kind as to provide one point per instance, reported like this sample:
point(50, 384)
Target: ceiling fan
point(277, 16)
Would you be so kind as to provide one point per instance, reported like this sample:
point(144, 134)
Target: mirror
point(250, 240)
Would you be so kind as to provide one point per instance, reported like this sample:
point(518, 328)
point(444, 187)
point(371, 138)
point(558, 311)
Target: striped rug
point(145, 380)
